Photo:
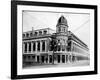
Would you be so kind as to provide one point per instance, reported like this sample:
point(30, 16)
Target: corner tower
point(62, 34)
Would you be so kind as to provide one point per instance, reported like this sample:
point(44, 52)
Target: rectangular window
point(29, 47)
point(43, 46)
point(34, 46)
point(38, 47)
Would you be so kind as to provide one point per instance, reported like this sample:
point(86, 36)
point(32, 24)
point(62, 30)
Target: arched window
point(23, 35)
point(29, 57)
point(63, 47)
point(58, 56)
point(33, 57)
point(31, 34)
point(36, 33)
point(27, 35)
point(34, 46)
point(43, 46)
point(64, 29)
point(50, 58)
point(59, 47)
point(59, 29)
point(38, 46)
point(24, 57)
point(63, 58)
point(40, 32)
point(45, 32)
point(29, 46)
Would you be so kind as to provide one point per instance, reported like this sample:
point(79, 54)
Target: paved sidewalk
point(77, 63)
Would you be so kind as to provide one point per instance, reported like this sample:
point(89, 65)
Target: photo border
point(14, 4)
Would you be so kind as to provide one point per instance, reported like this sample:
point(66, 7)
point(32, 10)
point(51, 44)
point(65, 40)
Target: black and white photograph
point(53, 39)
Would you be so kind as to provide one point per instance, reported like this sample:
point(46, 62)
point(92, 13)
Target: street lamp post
point(53, 44)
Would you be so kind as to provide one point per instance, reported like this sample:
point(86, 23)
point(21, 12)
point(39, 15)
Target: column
point(66, 48)
point(71, 58)
point(40, 46)
point(71, 51)
point(65, 59)
point(48, 59)
point(57, 49)
point(60, 58)
point(36, 58)
point(60, 48)
point(40, 58)
point(23, 47)
point(61, 29)
point(48, 45)
point(68, 60)
point(71, 46)
point(75, 58)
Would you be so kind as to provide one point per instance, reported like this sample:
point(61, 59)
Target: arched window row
point(62, 41)
point(31, 34)
point(62, 29)
point(60, 48)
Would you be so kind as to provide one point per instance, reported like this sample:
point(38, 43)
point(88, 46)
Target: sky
point(78, 23)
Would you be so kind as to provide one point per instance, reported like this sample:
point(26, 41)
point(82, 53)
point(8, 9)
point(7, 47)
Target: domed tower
point(62, 33)
point(62, 26)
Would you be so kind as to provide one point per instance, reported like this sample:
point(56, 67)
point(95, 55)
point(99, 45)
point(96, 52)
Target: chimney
point(33, 30)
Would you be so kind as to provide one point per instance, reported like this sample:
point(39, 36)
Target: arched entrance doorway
point(58, 58)
point(42, 59)
point(63, 58)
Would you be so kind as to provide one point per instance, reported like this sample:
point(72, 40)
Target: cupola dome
point(62, 21)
